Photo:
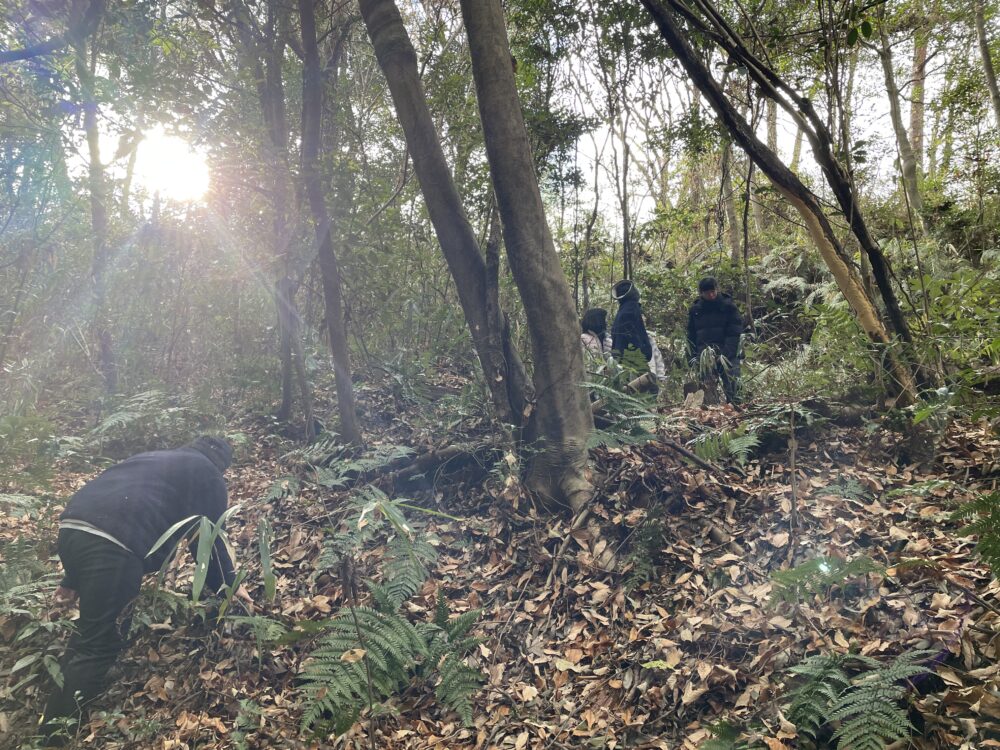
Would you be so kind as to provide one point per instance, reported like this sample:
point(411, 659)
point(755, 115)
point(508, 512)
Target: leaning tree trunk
point(801, 110)
point(503, 370)
point(312, 109)
point(984, 51)
point(557, 469)
point(98, 220)
point(794, 191)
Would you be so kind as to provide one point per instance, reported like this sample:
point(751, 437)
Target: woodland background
point(376, 305)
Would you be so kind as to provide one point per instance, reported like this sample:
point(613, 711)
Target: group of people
point(111, 532)
point(714, 323)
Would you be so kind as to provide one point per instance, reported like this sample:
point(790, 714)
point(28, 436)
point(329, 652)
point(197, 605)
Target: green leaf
point(265, 535)
point(852, 37)
point(866, 29)
point(169, 533)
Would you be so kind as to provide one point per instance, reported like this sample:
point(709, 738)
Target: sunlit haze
point(169, 166)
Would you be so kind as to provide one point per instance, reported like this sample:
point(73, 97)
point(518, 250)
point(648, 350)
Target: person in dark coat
point(628, 328)
point(106, 533)
point(715, 321)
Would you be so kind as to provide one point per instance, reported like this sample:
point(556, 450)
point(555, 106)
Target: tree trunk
point(99, 222)
point(557, 468)
point(789, 185)
point(801, 110)
point(772, 125)
point(475, 279)
point(907, 160)
point(918, 87)
point(312, 110)
point(984, 51)
point(797, 150)
point(729, 200)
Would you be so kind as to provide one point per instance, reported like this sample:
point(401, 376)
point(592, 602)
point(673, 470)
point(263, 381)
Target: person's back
point(137, 500)
point(629, 330)
point(594, 336)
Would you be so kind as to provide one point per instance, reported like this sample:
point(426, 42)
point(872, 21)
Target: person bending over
point(105, 536)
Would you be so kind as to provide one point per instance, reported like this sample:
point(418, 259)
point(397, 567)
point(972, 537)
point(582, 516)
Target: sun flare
point(169, 166)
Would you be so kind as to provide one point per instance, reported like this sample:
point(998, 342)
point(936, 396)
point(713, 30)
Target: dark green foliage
point(865, 708)
point(448, 643)
point(823, 679)
point(817, 576)
point(984, 514)
point(335, 678)
point(716, 445)
point(631, 421)
point(869, 711)
point(368, 654)
point(150, 420)
point(646, 544)
point(404, 571)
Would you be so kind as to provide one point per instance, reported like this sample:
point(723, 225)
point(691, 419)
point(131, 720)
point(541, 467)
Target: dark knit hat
point(217, 450)
point(707, 284)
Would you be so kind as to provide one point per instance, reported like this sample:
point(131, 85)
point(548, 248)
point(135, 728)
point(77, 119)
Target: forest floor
point(658, 622)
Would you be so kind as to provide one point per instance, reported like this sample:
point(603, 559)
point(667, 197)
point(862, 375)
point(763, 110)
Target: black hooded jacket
point(139, 499)
point(628, 329)
point(716, 323)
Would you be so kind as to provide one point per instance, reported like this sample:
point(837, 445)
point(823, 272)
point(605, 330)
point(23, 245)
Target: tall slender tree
point(562, 419)
point(504, 372)
point(333, 294)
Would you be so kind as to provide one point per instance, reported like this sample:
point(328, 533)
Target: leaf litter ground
point(653, 622)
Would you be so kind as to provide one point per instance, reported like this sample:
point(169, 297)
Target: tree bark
point(794, 191)
point(312, 110)
point(263, 53)
point(907, 160)
point(557, 467)
point(984, 51)
point(729, 200)
point(475, 279)
point(918, 87)
point(96, 181)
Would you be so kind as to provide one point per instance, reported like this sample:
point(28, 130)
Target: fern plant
point(367, 654)
point(818, 576)
point(337, 677)
point(865, 709)
point(869, 710)
point(823, 679)
point(737, 445)
point(984, 513)
point(629, 419)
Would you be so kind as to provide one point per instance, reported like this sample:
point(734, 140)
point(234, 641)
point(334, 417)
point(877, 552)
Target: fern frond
point(457, 683)
point(817, 576)
point(984, 512)
point(336, 684)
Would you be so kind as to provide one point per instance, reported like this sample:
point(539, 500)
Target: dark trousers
point(107, 578)
point(730, 377)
